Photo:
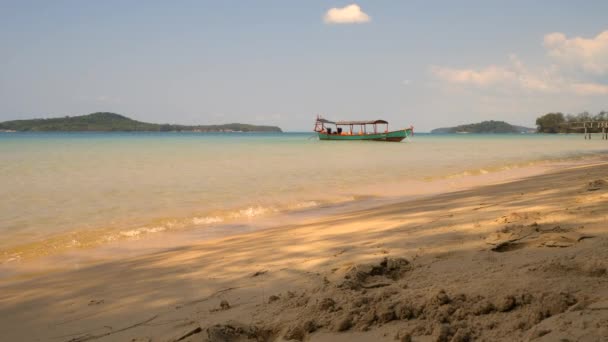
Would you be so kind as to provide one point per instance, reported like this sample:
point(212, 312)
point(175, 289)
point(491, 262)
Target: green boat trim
point(328, 133)
point(395, 136)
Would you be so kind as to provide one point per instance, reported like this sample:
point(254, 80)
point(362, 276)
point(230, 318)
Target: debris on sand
point(189, 334)
point(372, 276)
point(224, 305)
point(514, 237)
point(597, 185)
point(259, 273)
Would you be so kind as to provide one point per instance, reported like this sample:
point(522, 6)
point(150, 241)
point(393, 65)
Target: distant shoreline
point(112, 122)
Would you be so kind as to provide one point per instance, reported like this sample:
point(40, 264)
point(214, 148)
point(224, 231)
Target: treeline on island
point(560, 123)
point(111, 122)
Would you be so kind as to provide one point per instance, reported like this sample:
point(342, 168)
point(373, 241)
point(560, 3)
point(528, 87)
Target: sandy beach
point(326, 171)
point(516, 261)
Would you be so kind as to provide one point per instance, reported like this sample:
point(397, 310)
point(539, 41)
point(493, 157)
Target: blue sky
point(426, 63)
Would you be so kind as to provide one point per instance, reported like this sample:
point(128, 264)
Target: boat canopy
point(373, 122)
point(361, 122)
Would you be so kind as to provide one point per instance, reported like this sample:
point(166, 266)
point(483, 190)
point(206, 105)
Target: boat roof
point(372, 122)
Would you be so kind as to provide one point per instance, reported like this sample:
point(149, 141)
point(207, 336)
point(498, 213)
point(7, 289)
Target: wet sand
point(522, 260)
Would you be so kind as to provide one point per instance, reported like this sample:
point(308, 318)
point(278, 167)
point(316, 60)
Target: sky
point(424, 63)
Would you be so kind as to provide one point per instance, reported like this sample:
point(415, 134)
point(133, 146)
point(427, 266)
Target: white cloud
point(591, 55)
point(503, 77)
point(351, 14)
point(487, 76)
point(514, 75)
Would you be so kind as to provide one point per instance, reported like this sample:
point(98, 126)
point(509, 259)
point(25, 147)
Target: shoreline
point(521, 259)
point(47, 214)
point(28, 265)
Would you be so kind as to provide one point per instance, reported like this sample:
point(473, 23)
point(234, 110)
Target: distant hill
point(485, 127)
point(111, 122)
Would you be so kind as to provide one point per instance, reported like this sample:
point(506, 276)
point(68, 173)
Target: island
point(485, 127)
point(112, 122)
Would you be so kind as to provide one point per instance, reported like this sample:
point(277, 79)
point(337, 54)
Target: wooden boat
point(359, 130)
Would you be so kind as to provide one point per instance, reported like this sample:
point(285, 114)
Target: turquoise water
point(64, 190)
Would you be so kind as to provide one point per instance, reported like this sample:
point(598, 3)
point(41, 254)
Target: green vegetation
point(485, 127)
point(560, 123)
point(111, 122)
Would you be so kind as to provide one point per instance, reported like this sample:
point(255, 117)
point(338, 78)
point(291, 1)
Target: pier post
point(585, 131)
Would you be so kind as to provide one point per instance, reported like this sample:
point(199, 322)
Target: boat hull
point(394, 136)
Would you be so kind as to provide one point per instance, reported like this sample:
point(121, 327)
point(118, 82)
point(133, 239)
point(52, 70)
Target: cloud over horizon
point(350, 14)
point(591, 55)
point(588, 55)
point(513, 75)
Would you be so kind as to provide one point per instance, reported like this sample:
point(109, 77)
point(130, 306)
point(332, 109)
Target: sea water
point(72, 190)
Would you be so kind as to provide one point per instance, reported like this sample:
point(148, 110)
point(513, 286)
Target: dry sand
point(526, 260)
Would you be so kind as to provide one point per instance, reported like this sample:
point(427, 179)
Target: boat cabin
point(350, 127)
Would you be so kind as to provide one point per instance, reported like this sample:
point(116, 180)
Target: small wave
point(304, 205)
point(566, 157)
point(80, 239)
point(143, 230)
point(13, 258)
point(253, 212)
point(207, 220)
point(487, 170)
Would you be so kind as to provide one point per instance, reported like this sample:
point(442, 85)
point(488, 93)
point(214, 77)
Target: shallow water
point(64, 190)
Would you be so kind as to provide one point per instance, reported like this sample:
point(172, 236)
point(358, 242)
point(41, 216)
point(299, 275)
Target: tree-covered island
point(111, 122)
point(485, 127)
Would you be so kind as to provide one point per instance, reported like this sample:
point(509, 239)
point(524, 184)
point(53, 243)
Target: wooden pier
point(589, 126)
